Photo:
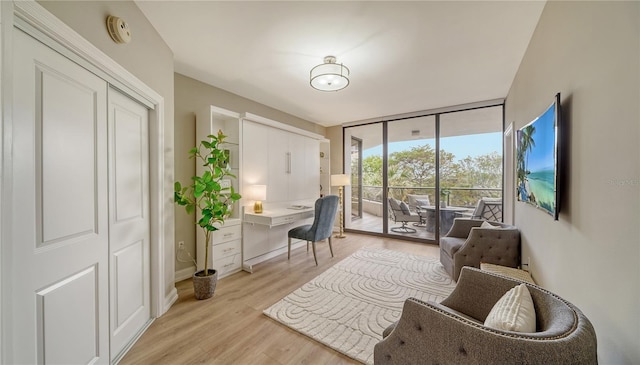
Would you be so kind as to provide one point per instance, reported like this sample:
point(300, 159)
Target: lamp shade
point(340, 180)
point(258, 192)
point(329, 76)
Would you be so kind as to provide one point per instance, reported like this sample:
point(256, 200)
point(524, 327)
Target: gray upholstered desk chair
point(322, 226)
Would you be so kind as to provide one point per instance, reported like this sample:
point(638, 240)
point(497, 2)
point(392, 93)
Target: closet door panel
point(255, 155)
point(59, 204)
point(312, 169)
point(129, 220)
point(297, 186)
point(280, 165)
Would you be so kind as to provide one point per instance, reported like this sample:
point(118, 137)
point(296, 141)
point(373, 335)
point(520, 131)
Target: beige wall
point(590, 52)
point(147, 56)
point(190, 96)
point(334, 134)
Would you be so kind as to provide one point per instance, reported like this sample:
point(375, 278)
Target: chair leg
point(313, 246)
point(289, 250)
point(307, 246)
point(330, 247)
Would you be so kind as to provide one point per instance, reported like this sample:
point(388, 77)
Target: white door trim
point(508, 196)
point(161, 191)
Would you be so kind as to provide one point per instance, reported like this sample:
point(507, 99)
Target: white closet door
point(312, 168)
point(280, 165)
point(297, 188)
point(59, 232)
point(255, 156)
point(128, 219)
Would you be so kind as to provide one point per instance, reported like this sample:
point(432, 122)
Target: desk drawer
point(276, 221)
point(227, 234)
point(227, 249)
point(227, 265)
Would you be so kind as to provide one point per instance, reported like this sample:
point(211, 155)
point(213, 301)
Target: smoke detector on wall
point(118, 29)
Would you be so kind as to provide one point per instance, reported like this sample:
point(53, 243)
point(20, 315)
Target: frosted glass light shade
point(340, 180)
point(329, 76)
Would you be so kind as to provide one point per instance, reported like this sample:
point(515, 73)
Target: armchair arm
point(462, 227)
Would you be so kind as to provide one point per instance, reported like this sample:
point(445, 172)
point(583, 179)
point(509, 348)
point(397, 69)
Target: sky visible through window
point(461, 146)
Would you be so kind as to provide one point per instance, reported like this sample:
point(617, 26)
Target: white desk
point(265, 235)
point(280, 216)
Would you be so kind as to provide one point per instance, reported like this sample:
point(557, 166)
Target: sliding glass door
point(470, 164)
point(412, 176)
point(364, 164)
point(356, 178)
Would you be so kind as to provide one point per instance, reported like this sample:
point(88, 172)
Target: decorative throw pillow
point(513, 312)
point(405, 208)
point(486, 224)
point(422, 202)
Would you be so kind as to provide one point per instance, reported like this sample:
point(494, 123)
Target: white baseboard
point(184, 273)
point(171, 298)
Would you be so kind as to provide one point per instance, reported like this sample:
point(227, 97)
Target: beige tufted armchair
point(453, 331)
point(467, 244)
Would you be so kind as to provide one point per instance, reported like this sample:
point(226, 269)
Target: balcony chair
point(415, 201)
point(454, 331)
point(322, 227)
point(471, 241)
point(399, 212)
point(488, 209)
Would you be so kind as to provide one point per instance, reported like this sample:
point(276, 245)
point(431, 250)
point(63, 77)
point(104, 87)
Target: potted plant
point(444, 197)
point(210, 200)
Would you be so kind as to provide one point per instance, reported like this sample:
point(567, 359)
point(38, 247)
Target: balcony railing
point(455, 196)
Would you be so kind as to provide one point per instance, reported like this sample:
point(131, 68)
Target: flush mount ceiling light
point(329, 76)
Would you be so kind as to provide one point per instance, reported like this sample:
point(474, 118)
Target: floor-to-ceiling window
point(470, 162)
point(356, 178)
point(411, 174)
point(435, 166)
point(365, 192)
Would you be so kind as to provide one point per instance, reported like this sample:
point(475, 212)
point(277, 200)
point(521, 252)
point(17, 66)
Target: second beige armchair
point(469, 244)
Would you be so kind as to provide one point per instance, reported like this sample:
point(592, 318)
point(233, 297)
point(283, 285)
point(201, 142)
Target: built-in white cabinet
point(225, 253)
point(286, 160)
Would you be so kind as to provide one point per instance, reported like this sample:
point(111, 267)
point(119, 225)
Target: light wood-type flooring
point(230, 327)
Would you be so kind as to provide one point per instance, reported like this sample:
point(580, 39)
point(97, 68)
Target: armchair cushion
point(405, 208)
point(416, 200)
point(488, 225)
point(513, 312)
point(394, 204)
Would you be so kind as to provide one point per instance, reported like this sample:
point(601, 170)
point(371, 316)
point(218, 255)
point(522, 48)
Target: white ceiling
point(403, 56)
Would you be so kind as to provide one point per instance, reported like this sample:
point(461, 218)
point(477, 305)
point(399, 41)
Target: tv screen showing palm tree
point(537, 160)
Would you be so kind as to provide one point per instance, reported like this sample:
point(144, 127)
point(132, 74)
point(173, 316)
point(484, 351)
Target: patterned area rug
point(348, 306)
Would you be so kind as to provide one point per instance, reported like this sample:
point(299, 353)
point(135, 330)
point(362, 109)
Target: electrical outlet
point(181, 245)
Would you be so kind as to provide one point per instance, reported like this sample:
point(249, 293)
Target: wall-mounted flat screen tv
point(537, 162)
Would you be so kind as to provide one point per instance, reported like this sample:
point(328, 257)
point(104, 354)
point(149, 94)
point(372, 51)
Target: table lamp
point(341, 180)
point(258, 193)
